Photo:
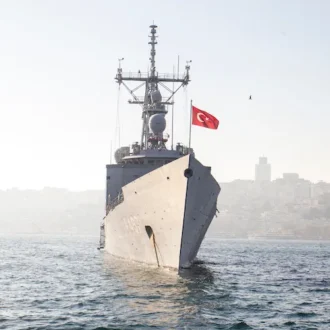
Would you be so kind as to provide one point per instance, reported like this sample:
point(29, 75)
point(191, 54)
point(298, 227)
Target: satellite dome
point(157, 123)
point(120, 153)
point(156, 96)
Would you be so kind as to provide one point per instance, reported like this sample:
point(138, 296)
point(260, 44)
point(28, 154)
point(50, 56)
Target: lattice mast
point(154, 108)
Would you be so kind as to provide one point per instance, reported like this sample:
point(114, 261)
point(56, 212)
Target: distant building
point(291, 177)
point(320, 188)
point(262, 170)
point(303, 190)
point(297, 188)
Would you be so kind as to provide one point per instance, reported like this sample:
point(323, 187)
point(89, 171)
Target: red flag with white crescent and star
point(204, 119)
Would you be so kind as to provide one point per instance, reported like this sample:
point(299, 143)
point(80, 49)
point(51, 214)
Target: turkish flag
point(204, 119)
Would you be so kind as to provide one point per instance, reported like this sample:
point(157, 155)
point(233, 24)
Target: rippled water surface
point(66, 283)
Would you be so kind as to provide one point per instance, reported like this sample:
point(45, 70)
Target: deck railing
point(116, 201)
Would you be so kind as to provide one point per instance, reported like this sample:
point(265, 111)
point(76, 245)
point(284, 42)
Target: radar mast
point(154, 105)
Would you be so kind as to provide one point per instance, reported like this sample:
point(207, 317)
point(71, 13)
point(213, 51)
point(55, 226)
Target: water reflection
point(162, 295)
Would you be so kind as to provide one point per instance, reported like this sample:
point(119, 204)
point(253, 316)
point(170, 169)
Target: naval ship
point(160, 201)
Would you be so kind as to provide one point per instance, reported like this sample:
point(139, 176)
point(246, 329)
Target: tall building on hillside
point(262, 170)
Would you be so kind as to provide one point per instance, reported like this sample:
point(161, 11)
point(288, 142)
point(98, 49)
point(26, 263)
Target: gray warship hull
point(161, 217)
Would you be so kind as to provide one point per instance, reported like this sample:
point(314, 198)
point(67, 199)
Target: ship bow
point(200, 207)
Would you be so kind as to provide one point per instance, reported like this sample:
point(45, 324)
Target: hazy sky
point(58, 96)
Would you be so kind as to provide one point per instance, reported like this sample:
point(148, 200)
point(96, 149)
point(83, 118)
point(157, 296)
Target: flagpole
point(190, 124)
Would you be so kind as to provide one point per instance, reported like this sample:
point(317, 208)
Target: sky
point(58, 96)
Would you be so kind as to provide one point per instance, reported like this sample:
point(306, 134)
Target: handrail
point(116, 201)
